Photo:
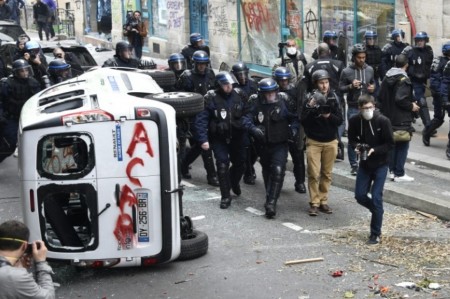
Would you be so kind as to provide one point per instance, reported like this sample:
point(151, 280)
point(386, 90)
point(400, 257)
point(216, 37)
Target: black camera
point(363, 149)
point(29, 249)
point(324, 109)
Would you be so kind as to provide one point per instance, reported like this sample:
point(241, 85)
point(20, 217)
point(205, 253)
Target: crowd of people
point(304, 110)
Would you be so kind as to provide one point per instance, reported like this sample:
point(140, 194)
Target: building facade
point(250, 30)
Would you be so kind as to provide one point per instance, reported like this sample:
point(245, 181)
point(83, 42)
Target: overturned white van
point(98, 168)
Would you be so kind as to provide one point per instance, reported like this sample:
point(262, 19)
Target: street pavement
point(247, 252)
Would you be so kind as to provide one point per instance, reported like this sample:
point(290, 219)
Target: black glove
point(257, 133)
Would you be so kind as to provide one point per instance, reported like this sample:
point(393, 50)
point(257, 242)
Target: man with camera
point(136, 31)
point(321, 116)
point(16, 256)
point(370, 136)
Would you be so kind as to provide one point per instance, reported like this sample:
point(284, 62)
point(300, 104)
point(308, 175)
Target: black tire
point(186, 104)
point(194, 247)
point(165, 79)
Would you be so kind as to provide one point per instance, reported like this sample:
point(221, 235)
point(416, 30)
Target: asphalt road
point(247, 252)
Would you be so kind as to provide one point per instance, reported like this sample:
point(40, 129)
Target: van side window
point(65, 155)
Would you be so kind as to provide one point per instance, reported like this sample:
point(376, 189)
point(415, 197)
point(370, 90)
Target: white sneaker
point(404, 178)
point(16, 153)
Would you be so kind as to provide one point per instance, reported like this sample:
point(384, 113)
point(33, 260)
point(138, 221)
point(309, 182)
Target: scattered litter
point(337, 273)
point(200, 217)
point(255, 211)
point(406, 284)
point(427, 215)
point(294, 262)
point(293, 226)
point(259, 261)
point(434, 286)
point(306, 231)
point(181, 281)
point(349, 294)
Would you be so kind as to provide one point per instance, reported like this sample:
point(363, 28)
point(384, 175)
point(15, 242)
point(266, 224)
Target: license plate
point(143, 218)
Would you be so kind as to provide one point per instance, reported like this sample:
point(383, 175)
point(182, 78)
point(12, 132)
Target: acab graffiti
point(127, 202)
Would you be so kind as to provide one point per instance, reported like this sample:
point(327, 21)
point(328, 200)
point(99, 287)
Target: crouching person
point(370, 135)
point(271, 125)
point(16, 255)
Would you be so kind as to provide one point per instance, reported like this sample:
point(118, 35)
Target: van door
point(101, 190)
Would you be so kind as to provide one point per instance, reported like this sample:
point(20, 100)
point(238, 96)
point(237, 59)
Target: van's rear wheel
point(165, 79)
point(193, 247)
point(186, 104)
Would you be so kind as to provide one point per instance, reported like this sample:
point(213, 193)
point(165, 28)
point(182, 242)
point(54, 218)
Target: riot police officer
point(249, 87)
point(177, 64)
point(330, 38)
point(269, 122)
point(420, 58)
point(16, 90)
point(391, 50)
point(219, 127)
point(373, 57)
point(199, 79)
point(124, 58)
point(439, 85)
point(59, 71)
point(282, 75)
point(195, 43)
point(37, 61)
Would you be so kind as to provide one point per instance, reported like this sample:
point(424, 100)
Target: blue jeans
point(397, 158)
point(372, 180)
point(351, 152)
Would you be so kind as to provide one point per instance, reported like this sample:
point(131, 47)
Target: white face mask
point(291, 50)
point(367, 114)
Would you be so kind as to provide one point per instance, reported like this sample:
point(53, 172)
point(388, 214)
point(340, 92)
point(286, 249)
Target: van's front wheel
point(196, 245)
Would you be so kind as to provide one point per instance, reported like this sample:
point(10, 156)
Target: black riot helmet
point(240, 71)
point(422, 35)
point(319, 75)
point(59, 70)
point(446, 49)
point(199, 57)
point(224, 78)
point(121, 47)
point(177, 63)
point(328, 36)
point(21, 69)
point(282, 73)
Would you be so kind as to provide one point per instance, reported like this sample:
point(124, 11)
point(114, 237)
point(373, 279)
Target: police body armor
point(117, 62)
point(437, 69)
point(193, 82)
point(270, 119)
point(373, 54)
point(227, 114)
point(291, 101)
point(420, 59)
point(391, 51)
point(18, 91)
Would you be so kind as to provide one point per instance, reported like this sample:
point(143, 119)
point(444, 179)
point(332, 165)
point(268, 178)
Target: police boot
point(224, 180)
point(249, 174)
point(236, 172)
point(274, 188)
point(428, 131)
point(298, 159)
point(424, 113)
point(447, 152)
point(208, 162)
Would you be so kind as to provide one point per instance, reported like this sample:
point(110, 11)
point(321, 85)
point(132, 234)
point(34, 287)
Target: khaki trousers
point(320, 157)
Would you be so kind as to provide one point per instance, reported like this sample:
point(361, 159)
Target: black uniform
point(220, 124)
point(15, 92)
point(276, 123)
point(192, 81)
point(389, 52)
point(189, 50)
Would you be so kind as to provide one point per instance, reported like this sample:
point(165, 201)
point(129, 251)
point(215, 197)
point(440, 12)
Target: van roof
point(111, 90)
